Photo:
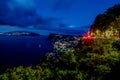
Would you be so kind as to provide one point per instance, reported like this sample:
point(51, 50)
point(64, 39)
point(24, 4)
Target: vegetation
point(97, 60)
point(108, 23)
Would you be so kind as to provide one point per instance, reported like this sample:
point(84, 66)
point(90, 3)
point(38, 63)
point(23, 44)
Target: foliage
point(97, 60)
point(92, 62)
point(107, 23)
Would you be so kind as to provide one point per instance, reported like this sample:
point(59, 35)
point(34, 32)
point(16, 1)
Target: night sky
point(51, 14)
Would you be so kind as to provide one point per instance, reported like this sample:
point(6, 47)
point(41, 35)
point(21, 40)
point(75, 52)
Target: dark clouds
point(14, 13)
point(23, 13)
point(51, 13)
point(63, 5)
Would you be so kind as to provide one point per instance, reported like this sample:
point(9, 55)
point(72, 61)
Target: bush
point(92, 62)
point(102, 69)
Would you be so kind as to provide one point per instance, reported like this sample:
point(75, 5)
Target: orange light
point(88, 36)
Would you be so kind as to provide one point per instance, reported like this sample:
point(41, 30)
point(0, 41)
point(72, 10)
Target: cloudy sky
point(52, 14)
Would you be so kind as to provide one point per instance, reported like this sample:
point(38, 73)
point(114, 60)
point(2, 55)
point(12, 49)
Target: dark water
point(22, 50)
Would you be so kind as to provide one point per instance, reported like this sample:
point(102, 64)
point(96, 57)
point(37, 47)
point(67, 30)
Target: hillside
point(19, 33)
point(79, 57)
point(108, 23)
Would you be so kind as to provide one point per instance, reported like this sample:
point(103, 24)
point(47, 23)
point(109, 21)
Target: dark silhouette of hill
point(19, 33)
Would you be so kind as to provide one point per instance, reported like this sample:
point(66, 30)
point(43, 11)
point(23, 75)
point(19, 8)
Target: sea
point(22, 50)
point(27, 50)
